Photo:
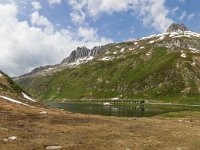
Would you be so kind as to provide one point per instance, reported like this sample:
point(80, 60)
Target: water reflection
point(120, 110)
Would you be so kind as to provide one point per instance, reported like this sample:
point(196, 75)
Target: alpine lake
point(123, 110)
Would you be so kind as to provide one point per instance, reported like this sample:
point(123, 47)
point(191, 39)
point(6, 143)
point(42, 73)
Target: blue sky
point(40, 32)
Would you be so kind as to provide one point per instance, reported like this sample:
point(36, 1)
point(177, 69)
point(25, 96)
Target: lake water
point(122, 110)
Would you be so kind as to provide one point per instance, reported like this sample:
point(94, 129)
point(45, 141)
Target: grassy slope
point(9, 87)
point(135, 75)
point(36, 131)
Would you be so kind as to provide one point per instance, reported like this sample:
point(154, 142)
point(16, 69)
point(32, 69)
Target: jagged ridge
point(164, 66)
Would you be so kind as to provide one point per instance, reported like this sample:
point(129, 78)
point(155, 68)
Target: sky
point(36, 33)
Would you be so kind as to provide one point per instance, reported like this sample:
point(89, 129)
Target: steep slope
point(164, 67)
point(11, 92)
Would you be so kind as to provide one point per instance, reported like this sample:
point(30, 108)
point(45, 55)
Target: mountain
point(159, 67)
point(177, 28)
point(11, 92)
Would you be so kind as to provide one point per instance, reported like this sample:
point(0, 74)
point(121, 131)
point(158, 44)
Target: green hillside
point(129, 70)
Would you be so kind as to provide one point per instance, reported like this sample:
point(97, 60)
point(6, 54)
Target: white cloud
point(36, 5)
point(78, 17)
point(183, 15)
point(174, 10)
point(52, 2)
point(38, 20)
point(88, 34)
point(190, 16)
point(24, 47)
point(152, 13)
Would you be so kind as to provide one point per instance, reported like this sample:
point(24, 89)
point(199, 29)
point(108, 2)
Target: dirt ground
point(69, 131)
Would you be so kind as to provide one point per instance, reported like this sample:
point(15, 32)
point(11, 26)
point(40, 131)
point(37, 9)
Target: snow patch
point(194, 50)
point(107, 58)
point(142, 47)
point(188, 34)
point(151, 42)
point(27, 97)
point(115, 53)
point(148, 37)
point(193, 64)
point(49, 69)
point(149, 53)
point(162, 38)
point(131, 49)
point(122, 49)
point(80, 61)
point(1, 75)
point(183, 55)
point(14, 101)
point(115, 98)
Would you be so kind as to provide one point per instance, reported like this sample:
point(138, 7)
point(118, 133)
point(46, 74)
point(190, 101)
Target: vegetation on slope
point(151, 73)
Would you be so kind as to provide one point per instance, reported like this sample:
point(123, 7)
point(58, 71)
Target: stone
point(54, 147)
point(12, 138)
point(177, 28)
point(43, 112)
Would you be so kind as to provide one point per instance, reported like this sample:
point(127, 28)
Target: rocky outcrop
point(177, 28)
point(83, 52)
point(184, 43)
point(80, 52)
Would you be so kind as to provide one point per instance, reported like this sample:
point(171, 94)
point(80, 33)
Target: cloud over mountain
point(24, 46)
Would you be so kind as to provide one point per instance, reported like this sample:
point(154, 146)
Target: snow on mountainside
point(162, 65)
point(11, 92)
point(83, 55)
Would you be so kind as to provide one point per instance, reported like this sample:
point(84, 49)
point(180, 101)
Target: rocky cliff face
point(83, 52)
point(155, 67)
point(79, 56)
point(80, 52)
point(177, 28)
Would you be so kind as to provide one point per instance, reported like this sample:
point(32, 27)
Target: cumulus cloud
point(52, 2)
point(183, 15)
point(24, 46)
point(39, 20)
point(186, 16)
point(190, 16)
point(36, 5)
point(152, 13)
point(174, 10)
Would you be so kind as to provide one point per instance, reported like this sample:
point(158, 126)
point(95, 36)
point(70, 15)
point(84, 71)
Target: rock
point(5, 140)
point(80, 52)
point(43, 112)
point(12, 138)
point(177, 28)
point(83, 52)
point(54, 147)
point(188, 121)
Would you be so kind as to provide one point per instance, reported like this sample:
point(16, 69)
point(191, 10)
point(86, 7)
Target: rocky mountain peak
point(177, 28)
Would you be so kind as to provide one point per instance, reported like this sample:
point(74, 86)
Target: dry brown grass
point(87, 132)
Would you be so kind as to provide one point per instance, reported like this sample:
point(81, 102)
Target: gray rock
point(177, 27)
point(54, 147)
point(43, 113)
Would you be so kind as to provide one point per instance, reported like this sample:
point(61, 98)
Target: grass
point(37, 131)
point(134, 76)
